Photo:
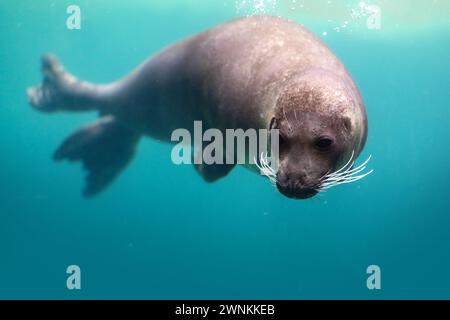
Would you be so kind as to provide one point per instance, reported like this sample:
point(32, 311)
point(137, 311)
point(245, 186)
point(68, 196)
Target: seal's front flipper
point(212, 173)
point(104, 147)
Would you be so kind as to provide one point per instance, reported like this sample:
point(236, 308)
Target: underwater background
point(160, 232)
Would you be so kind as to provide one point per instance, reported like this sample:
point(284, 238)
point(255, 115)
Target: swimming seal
point(257, 72)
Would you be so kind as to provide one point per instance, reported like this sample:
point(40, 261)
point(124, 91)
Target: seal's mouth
point(299, 193)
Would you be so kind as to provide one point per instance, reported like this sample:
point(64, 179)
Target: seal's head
point(322, 124)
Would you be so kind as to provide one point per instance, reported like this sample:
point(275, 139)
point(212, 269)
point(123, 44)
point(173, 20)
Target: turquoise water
point(160, 232)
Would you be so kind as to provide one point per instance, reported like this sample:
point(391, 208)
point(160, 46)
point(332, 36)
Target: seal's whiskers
point(346, 174)
point(287, 120)
point(264, 167)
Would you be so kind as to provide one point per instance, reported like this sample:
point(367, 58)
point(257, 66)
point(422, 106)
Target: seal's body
point(256, 72)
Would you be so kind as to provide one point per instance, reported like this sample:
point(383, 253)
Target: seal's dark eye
point(324, 143)
point(273, 123)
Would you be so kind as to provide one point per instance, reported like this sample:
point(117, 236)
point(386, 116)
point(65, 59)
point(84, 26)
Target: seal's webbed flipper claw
point(60, 90)
point(211, 172)
point(104, 147)
point(48, 95)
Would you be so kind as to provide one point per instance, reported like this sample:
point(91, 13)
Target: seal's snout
point(297, 193)
point(297, 183)
point(297, 190)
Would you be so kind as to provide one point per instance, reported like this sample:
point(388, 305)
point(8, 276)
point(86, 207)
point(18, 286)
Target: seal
point(258, 72)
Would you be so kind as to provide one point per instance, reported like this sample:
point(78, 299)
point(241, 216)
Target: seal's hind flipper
point(47, 96)
point(60, 90)
point(104, 147)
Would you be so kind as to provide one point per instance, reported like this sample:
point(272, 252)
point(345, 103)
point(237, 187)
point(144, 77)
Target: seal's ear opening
point(347, 123)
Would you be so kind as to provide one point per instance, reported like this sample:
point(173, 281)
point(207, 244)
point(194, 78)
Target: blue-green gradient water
point(160, 232)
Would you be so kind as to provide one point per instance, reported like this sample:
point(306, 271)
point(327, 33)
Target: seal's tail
point(104, 147)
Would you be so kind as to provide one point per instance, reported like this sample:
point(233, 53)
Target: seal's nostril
point(301, 176)
point(298, 185)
